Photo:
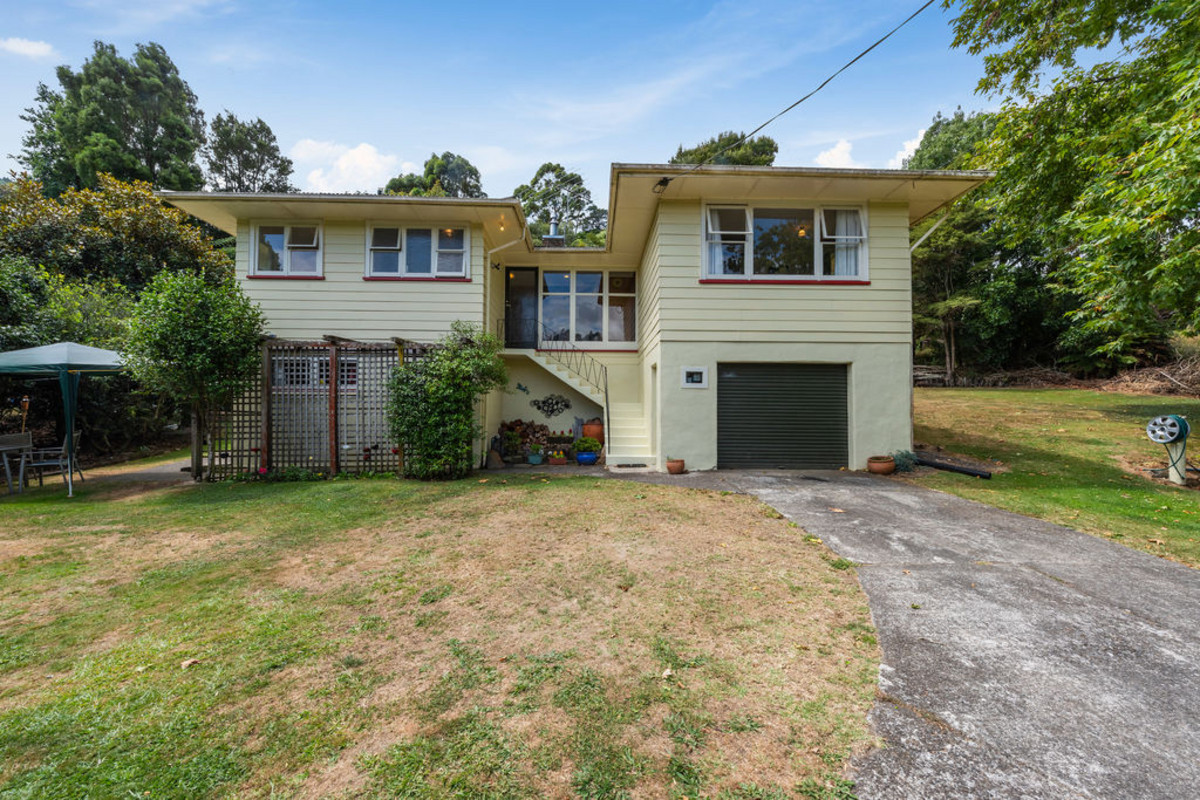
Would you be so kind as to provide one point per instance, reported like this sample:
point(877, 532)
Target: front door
point(521, 308)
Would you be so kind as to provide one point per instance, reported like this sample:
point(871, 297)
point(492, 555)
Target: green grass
point(240, 640)
point(1064, 450)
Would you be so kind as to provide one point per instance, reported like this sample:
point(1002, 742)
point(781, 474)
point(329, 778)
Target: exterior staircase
point(568, 376)
point(626, 439)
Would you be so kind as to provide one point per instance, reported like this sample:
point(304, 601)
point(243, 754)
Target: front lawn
point(1073, 457)
point(514, 638)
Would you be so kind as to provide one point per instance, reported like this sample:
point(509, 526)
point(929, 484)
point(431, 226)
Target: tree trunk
point(197, 446)
point(948, 346)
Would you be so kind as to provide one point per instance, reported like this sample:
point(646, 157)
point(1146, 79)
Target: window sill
point(454, 279)
point(788, 282)
point(632, 349)
point(255, 277)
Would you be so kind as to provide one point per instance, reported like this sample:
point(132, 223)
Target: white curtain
point(848, 230)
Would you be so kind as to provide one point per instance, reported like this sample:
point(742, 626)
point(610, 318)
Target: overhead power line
point(745, 137)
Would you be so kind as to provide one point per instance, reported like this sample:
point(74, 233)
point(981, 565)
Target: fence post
point(334, 382)
point(264, 455)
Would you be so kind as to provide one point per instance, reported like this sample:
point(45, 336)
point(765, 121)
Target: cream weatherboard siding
point(867, 327)
point(343, 304)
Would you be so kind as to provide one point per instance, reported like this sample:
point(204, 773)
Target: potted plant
point(675, 466)
point(881, 465)
point(587, 450)
point(535, 454)
point(557, 458)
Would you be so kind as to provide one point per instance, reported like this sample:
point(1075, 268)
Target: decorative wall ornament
point(522, 388)
point(551, 405)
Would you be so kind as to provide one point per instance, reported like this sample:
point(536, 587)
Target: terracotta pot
point(594, 430)
point(881, 465)
point(675, 466)
point(556, 462)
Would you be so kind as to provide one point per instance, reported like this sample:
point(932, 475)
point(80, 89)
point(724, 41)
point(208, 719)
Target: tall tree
point(447, 175)
point(980, 301)
point(1103, 163)
point(727, 148)
point(556, 193)
point(244, 157)
point(121, 231)
point(135, 119)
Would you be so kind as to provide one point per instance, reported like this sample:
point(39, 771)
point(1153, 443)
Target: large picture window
point(785, 243)
point(398, 252)
point(291, 250)
point(589, 307)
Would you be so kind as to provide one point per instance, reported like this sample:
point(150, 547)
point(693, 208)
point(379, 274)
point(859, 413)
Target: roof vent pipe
point(554, 225)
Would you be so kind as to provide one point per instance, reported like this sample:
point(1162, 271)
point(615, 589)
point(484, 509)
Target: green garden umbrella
point(66, 361)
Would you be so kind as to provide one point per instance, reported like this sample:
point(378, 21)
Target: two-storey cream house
point(737, 317)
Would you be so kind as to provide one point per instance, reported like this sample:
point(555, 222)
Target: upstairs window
point(589, 308)
point(396, 252)
point(785, 243)
point(287, 250)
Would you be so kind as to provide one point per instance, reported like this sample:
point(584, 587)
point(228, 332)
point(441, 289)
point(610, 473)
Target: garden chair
point(19, 446)
point(54, 460)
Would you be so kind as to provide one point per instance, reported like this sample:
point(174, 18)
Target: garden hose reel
point(1171, 431)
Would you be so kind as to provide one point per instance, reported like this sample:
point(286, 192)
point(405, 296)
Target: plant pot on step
point(881, 465)
point(534, 458)
point(587, 459)
point(675, 466)
point(557, 461)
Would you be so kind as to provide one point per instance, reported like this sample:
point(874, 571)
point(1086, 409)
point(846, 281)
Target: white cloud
point(333, 167)
point(910, 147)
point(27, 48)
point(837, 156)
point(136, 15)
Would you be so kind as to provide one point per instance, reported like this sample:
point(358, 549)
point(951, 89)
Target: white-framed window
point(287, 249)
point(589, 307)
point(395, 251)
point(818, 243)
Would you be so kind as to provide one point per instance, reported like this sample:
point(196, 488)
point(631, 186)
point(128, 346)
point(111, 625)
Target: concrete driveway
point(1020, 659)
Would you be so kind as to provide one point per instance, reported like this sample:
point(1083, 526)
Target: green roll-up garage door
point(782, 416)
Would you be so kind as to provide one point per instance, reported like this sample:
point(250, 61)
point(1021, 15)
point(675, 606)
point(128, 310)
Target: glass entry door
point(521, 308)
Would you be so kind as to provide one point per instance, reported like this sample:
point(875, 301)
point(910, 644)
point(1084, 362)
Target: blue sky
point(359, 91)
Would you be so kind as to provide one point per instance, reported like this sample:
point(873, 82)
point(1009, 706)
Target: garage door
point(782, 416)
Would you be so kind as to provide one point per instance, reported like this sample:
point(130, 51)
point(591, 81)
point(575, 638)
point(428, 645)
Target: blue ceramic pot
point(587, 459)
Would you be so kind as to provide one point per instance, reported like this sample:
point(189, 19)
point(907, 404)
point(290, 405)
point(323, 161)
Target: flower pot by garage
point(675, 466)
point(881, 465)
point(556, 462)
point(587, 459)
point(534, 458)
point(595, 430)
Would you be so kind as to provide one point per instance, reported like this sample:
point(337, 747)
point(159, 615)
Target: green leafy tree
point(1102, 163)
point(197, 342)
point(431, 408)
point(728, 148)
point(120, 231)
point(244, 157)
point(447, 175)
point(556, 193)
point(136, 119)
point(982, 301)
point(952, 142)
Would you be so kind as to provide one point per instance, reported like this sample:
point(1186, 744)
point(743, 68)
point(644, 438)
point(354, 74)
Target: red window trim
point(586, 350)
point(259, 277)
point(409, 278)
point(775, 281)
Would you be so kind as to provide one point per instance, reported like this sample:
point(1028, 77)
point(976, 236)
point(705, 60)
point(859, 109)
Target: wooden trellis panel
point(319, 406)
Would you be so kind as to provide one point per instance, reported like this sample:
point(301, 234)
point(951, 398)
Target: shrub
point(587, 444)
point(431, 408)
point(195, 341)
